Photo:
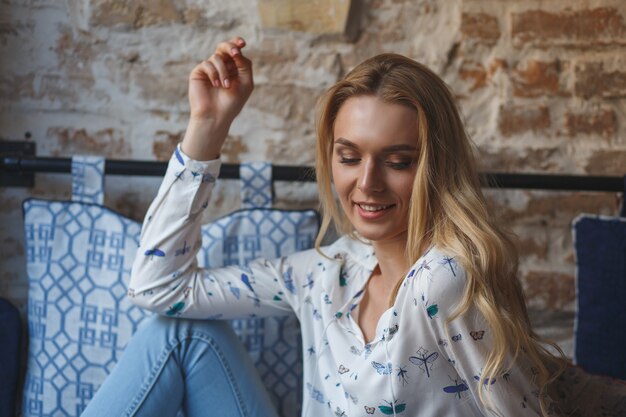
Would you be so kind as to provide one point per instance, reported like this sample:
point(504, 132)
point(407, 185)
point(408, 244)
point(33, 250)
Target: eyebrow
point(388, 149)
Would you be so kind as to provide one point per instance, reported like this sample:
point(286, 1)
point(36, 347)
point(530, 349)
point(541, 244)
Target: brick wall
point(542, 86)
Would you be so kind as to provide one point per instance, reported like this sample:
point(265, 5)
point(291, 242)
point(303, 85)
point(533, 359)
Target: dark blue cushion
point(10, 334)
point(600, 337)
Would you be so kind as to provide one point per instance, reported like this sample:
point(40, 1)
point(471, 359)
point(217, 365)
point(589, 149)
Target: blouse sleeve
point(467, 343)
point(165, 277)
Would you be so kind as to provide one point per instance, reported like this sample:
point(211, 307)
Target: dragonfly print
point(423, 360)
point(154, 252)
point(450, 262)
point(288, 280)
point(185, 249)
point(456, 388)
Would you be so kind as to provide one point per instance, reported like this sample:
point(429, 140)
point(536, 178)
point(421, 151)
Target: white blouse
point(413, 367)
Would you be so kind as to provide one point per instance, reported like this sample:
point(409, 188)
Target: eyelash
point(393, 165)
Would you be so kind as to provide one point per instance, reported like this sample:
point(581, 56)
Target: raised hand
point(218, 89)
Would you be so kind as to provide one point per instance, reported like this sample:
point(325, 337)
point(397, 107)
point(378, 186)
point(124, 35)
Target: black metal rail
point(26, 165)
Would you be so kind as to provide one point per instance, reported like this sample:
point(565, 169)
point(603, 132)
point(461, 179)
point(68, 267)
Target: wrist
point(204, 138)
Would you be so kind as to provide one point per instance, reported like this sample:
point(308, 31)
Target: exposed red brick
point(474, 72)
point(515, 119)
point(538, 78)
point(607, 162)
point(603, 25)
point(593, 80)
point(515, 160)
point(107, 142)
point(165, 143)
point(496, 65)
point(603, 123)
point(135, 14)
point(13, 87)
point(559, 208)
point(481, 27)
point(531, 247)
point(549, 290)
point(233, 147)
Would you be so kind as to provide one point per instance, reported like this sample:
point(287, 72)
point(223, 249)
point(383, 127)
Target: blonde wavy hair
point(447, 209)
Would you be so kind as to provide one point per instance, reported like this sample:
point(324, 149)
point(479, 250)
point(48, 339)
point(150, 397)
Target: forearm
point(170, 235)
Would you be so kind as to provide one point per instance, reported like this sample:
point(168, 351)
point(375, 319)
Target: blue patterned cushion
point(79, 257)
point(600, 340)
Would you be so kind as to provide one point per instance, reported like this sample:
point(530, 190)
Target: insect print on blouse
point(369, 410)
point(315, 393)
point(457, 388)
point(524, 401)
point(424, 360)
point(450, 262)
point(354, 350)
point(487, 381)
point(246, 280)
point(327, 299)
point(423, 266)
point(154, 252)
point(368, 351)
point(477, 334)
point(343, 278)
point(309, 281)
point(382, 369)
point(408, 276)
point(389, 332)
point(315, 312)
point(234, 290)
point(185, 249)
point(432, 309)
point(457, 338)
point(180, 175)
point(442, 342)
point(208, 178)
point(175, 309)
point(342, 369)
point(340, 413)
point(392, 408)
point(402, 375)
point(351, 397)
point(288, 280)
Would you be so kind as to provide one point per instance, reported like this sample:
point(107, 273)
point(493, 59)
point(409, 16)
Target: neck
point(392, 261)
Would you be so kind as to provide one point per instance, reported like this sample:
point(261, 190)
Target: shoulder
point(438, 278)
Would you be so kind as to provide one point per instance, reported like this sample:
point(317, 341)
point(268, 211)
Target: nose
point(370, 178)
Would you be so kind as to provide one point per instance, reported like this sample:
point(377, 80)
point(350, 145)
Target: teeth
point(373, 208)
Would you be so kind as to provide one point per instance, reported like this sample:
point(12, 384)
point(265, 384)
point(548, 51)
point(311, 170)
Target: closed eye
point(348, 161)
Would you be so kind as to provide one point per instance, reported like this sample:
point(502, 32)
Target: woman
point(416, 310)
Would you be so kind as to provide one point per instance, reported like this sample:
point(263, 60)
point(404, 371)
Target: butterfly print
point(477, 334)
point(343, 369)
point(382, 369)
point(369, 410)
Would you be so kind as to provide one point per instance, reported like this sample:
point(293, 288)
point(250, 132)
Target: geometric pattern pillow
point(79, 256)
point(600, 336)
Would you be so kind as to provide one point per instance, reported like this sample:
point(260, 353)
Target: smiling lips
point(373, 211)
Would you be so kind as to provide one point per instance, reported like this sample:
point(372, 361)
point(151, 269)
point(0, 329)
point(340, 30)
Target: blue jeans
point(198, 366)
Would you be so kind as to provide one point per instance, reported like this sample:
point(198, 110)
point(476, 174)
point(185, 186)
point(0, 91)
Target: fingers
point(225, 65)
